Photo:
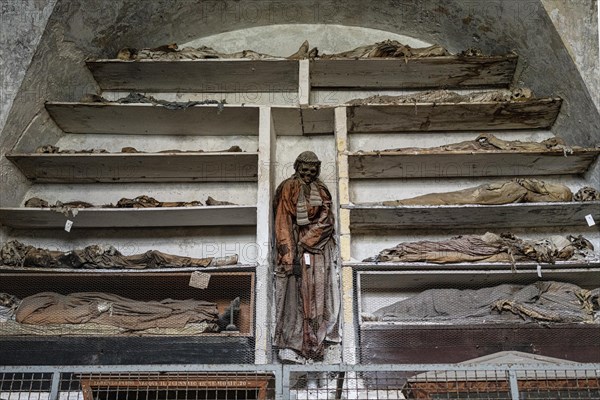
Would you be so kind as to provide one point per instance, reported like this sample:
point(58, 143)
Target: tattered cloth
point(110, 309)
point(308, 302)
point(16, 254)
point(384, 49)
point(138, 98)
point(445, 96)
point(487, 248)
point(50, 149)
point(489, 142)
point(514, 191)
point(543, 301)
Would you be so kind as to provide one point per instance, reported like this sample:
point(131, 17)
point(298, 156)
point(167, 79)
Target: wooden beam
point(427, 164)
point(138, 167)
point(426, 117)
point(196, 76)
point(150, 119)
point(372, 217)
point(420, 73)
point(130, 217)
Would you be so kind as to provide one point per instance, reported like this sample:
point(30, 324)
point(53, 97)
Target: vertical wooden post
point(264, 218)
point(341, 140)
point(304, 83)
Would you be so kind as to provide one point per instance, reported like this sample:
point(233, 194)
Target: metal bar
point(514, 385)
point(273, 367)
point(282, 380)
point(55, 386)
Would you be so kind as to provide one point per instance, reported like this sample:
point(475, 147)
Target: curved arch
point(284, 39)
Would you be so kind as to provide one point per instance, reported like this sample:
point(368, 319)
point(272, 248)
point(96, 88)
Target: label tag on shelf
point(590, 220)
point(306, 258)
point(199, 280)
point(539, 270)
point(68, 225)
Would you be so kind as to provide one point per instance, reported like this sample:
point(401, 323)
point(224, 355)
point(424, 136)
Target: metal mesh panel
point(25, 386)
point(169, 385)
point(168, 343)
point(580, 384)
point(396, 382)
point(455, 339)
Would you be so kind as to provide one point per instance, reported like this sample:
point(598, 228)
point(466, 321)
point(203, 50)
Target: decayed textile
point(488, 248)
point(172, 52)
point(137, 202)
point(110, 309)
point(150, 202)
point(489, 142)
point(50, 149)
point(16, 254)
point(137, 98)
point(390, 49)
point(543, 301)
point(385, 49)
point(513, 191)
point(306, 285)
point(445, 96)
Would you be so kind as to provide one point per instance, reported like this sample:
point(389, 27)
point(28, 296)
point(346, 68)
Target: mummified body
point(543, 301)
point(307, 292)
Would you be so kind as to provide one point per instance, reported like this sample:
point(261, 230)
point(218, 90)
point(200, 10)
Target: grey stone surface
point(577, 23)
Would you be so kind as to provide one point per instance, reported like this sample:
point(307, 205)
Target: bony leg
point(226, 320)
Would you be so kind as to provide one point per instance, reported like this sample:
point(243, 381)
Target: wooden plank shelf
point(7, 269)
point(202, 76)
point(424, 117)
point(211, 348)
point(130, 217)
point(143, 119)
point(438, 273)
point(303, 121)
point(419, 73)
point(440, 164)
point(138, 167)
point(376, 217)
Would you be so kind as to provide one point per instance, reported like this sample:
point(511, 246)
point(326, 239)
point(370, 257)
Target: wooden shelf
point(376, 217)
point(423, 117)
point(463, 272)
point(130, 217)
point(6, 269)
point(143, 119)
point(303, 121)
point(138, 167)
point(203, 76)
point(413, 342)
point(419, 73)
point(146, 285)
point(440, 164)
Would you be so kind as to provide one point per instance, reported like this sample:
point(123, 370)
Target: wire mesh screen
point(407, 318)
point(25, 386)
point(472, 383)
point(161, 318)
point(172, 386)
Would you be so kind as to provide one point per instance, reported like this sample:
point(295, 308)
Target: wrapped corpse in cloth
point(542, 302)
point(90, 313)
point(17, 254)
point(489, 247)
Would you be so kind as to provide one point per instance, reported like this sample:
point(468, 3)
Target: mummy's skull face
point(308, 172)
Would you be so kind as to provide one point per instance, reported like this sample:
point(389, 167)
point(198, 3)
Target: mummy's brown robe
point(307, 305)
point(110, 309)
